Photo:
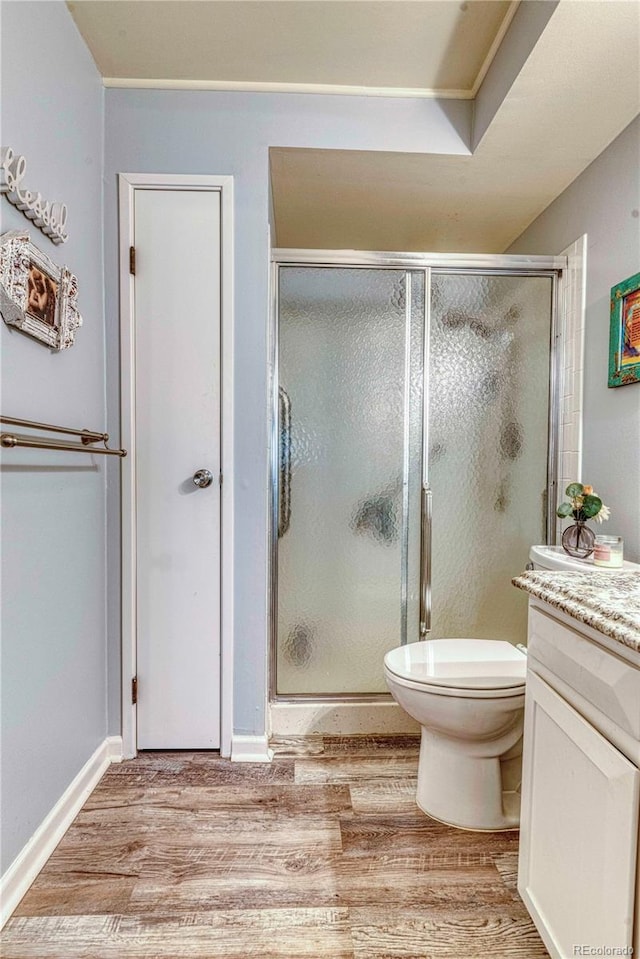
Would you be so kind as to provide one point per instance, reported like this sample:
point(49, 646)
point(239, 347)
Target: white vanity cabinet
point(578, 870)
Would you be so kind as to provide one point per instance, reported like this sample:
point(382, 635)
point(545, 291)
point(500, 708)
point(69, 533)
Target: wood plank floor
point(322, 854)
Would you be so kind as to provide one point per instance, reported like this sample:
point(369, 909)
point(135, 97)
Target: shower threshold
point(336, 718)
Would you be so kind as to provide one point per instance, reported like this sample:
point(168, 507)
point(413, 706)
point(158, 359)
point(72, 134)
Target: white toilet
point(468, 696)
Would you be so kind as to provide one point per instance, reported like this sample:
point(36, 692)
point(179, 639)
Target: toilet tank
point(554, 557)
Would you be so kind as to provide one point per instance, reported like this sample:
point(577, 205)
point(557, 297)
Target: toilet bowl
point(468, 696)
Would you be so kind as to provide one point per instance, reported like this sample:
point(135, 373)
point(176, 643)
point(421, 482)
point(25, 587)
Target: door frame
point(128, 183)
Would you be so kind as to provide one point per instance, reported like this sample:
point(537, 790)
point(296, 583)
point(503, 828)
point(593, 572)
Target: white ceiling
point(419, 47)
point(573, 93)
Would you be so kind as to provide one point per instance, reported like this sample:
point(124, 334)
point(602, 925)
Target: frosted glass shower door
point(490, 341)
point(350, 370)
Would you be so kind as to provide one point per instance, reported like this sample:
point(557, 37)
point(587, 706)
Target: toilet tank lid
point(554, 557)
point(459, 663)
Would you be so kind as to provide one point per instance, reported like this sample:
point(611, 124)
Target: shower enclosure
point(413, 448)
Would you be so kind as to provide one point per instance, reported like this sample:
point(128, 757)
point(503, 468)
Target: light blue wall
point(230, 133)
point(53, 504)
point(604, 203)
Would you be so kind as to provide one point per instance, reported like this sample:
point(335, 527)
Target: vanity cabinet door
point(579, 829)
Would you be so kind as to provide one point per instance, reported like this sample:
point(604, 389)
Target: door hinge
point(134, 690)
point(220, 480)
point(132, 260)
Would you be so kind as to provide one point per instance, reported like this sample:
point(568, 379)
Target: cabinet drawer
point(609, 683)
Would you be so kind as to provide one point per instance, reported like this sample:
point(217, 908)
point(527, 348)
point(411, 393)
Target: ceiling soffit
point(579, 89)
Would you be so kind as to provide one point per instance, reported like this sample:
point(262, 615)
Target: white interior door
point(177, 425)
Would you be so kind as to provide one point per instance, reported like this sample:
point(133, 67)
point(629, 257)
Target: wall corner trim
point(114, 749)
point(250, 749)
point(33, 856)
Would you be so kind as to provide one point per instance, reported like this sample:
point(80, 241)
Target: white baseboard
point(30, 860)
point(341, 719)
point(250, 749)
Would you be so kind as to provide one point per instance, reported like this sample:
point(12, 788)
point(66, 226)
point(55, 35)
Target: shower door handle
point(284, 495)
point(425, 563)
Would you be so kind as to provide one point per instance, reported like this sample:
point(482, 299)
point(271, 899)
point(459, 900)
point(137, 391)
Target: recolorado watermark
point(583, 950)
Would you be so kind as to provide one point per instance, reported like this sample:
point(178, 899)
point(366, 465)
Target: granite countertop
point(607, 600)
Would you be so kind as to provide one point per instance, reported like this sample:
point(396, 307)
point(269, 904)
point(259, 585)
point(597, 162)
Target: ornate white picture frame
point(36, 296)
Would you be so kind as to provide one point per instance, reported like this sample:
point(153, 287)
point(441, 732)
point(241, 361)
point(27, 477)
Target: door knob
point(203, 478)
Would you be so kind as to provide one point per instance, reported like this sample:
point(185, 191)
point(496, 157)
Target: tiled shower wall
point(572, 346)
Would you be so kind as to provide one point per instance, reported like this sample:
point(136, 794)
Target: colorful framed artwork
point(624, 338)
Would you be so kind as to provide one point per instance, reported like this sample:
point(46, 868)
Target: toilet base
point(511, 804)
point(462, 790)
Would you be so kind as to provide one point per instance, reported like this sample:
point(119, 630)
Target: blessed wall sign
point(49, 217)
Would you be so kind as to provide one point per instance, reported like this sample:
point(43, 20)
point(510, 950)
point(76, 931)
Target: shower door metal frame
point(438, 263)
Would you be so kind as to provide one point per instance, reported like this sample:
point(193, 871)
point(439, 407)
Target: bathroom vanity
point(579, 872)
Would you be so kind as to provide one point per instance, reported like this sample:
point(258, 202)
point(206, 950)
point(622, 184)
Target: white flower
point(604, 514)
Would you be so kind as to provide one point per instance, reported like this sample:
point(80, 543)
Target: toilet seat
point(472, 668)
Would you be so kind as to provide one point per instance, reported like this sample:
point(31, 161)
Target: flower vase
point(578, 540)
